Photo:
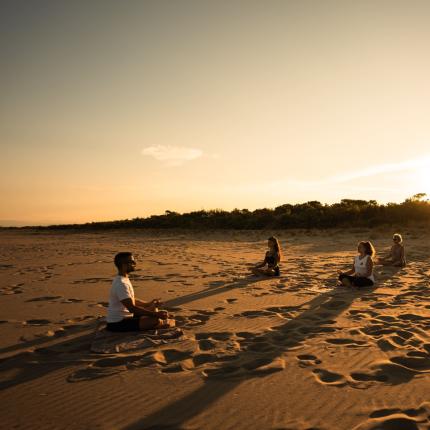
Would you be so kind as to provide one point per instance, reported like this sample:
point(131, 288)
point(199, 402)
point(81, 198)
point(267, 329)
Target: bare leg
point(386, 263)
point(148, 323)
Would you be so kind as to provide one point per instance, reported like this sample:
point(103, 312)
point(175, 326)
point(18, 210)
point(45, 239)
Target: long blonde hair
point(369, 249)
point(277, 247)
point(398, 236)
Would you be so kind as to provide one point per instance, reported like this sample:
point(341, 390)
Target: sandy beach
point(293, 352)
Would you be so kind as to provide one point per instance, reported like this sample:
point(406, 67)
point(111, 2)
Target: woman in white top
point(361, 273)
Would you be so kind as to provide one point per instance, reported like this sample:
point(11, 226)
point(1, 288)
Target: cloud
point(381, 168)
point(350, 181)
point(172, 155)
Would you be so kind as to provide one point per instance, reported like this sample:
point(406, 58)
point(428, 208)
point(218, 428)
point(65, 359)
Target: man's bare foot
point(168, 323)
point(346, 282)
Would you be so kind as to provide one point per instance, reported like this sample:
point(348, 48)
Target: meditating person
point(361, 273)
point(270, 265)
point(396, 257)
point(125, 312)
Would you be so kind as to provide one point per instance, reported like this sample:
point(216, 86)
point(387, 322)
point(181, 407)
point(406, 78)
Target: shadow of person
point(211, 291)
point(73, 346)
point(315, 320)
point(28, 365)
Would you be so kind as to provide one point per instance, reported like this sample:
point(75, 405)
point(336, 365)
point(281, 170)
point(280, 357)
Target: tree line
point(312, 214)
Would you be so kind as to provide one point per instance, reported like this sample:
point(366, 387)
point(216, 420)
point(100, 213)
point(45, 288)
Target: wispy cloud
point(349, 181)
point(380, 169)
point(172, 155)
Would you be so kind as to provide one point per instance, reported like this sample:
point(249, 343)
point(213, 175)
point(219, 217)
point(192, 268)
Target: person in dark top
point(270, 265)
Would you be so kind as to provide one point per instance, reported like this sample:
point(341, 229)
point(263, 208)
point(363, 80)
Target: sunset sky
point(118, 109)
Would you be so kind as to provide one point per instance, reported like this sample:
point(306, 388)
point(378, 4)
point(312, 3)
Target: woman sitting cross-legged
point(361, 273)
point(396, 257)
point(270, 265)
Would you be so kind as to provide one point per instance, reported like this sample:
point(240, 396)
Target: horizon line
point(23, 224)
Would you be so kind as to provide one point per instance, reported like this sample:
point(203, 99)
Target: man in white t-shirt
point(125, 312)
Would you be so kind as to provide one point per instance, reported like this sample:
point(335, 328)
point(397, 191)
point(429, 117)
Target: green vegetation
point(313, 214)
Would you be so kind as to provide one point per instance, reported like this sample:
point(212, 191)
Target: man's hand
point(156, 302)
point(162, 315)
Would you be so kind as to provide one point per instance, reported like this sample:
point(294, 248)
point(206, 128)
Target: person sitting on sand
point(396, 257)
point(270, 265)
point(125, 312)
point(361, 273)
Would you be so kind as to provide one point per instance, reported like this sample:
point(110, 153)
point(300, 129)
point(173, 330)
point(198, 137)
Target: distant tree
point(416, 198)
point(312, 214)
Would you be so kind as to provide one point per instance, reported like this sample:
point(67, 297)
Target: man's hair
point(121, 258)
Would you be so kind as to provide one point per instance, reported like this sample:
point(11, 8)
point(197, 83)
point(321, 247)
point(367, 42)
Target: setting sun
point(423, 180)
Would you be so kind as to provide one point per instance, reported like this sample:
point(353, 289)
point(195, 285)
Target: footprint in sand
point(256, 367)
point(11, 289)
point(44, 299)
point(345, 341)
point(91, 280)
point(167, 361)
point(72, 301)
point(397, 419)
point(245, 334)
point(100, 304)
point(37, 322)
point(412, 412)
point(306, 360)
point(207, 345)
point(326, 377)
point(197, 319)
point(414, 360)
point(384, 372)
point(254, 314)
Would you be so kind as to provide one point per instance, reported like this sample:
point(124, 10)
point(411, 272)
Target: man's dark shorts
point(127, 324)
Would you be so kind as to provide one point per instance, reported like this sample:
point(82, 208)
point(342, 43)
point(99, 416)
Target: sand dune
point(293, 352)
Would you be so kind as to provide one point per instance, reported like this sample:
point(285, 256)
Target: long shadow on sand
point(75, 348)
point(315, 320)
point(211, 291)
point(29, 365)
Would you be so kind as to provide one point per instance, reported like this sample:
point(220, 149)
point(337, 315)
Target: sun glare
point(423, 180)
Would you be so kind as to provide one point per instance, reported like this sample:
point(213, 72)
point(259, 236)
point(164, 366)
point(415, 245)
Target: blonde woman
point(396, 257)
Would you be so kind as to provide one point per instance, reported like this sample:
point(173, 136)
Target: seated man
point(125, 312)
